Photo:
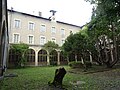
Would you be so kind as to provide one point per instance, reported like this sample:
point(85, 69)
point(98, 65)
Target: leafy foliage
point(78, 44)
point(73, 44)
point(50, 46)
point(105, 23)
point(74, 64)
point(100, 36)
point(20, 48)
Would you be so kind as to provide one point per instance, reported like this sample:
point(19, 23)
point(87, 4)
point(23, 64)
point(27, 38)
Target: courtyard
point(37, 78)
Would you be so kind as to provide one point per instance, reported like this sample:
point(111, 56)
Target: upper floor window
point(42, 40)
point(53, 30)
point(42, 28)
point(62, 32)
point(30, 39)
point(53, 39)
point(31, 26)
point(16, 38)
point(17, 23)
point(62, 41)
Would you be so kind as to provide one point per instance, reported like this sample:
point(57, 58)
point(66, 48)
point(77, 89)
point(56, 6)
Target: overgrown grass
point(36, 78)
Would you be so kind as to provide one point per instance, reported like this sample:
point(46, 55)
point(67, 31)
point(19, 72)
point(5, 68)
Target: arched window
point(42, 56)
point(53, 57)
point(63, 59)
point(30, 56)
point(14, 58)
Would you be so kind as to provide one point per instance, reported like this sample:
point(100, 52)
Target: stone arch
point(63, 59)
point(42, 57)
point(14, 57)
point(30, 56)
point(53, 57)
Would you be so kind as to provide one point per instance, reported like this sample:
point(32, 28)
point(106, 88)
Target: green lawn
point(36, 78)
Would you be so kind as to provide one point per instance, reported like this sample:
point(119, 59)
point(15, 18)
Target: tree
point(105, 28)
point(20, 48)
point(50, 46)
point(77, 44)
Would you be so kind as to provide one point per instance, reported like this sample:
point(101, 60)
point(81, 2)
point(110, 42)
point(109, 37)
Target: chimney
point(40, 14)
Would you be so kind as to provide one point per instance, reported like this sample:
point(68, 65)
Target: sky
point(77, 12)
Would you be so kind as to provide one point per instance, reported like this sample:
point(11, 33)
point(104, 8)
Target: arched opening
point(14, 58)
point(30, 56)
point(42, 57)
point(63, 59)
point(53, 57)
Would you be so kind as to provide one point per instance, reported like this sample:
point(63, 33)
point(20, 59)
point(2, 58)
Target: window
point(17, 23)
point(42, 28)
point(16, 38)
point(42, 40)
point(31, 26)
point(30, 39)
point(53, 30)
point(62, 41)
point(63, 32)
point(53, 39)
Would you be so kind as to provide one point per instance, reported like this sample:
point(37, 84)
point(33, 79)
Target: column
point(75, 57)
point(36, 58)
point(90, 57)
point(58, 63)
point(82, 60)
point(48, 59)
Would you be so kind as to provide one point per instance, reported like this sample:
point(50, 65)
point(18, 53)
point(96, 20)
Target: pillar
point(82, 60)
point(58, 61)
point(75, 57)
point(90, 57)
point(36, 58)
point(48, 59)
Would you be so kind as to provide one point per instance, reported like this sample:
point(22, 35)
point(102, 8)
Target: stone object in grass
point(77, 82)
point(58, 78)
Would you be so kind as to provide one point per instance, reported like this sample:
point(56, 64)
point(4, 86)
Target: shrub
point(74, 64)
point(79, 64)
point(54, 63)
point(20, 49)
point(88, 64)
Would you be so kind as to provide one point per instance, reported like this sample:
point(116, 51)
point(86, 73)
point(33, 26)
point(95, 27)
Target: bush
point(74, 64)
point(79, 64)
point(88, 64)
point(54, 63)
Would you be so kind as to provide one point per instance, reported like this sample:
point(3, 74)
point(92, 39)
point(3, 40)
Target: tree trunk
point(115, 46)
point(59, 75)
point(76, 57)
point(99, 60)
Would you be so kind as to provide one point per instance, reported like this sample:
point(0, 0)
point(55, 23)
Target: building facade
point(36, 31)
